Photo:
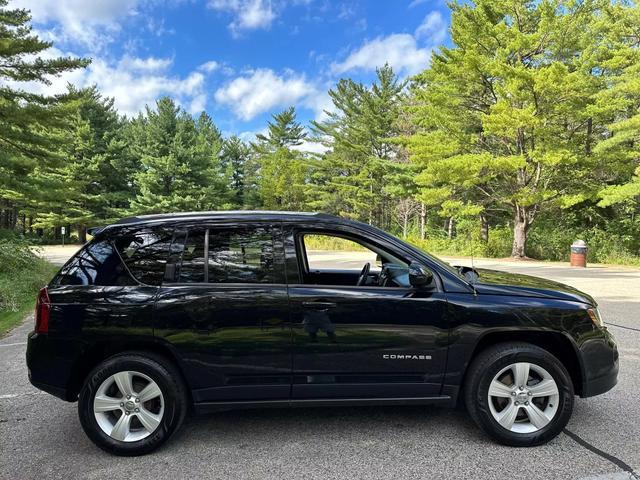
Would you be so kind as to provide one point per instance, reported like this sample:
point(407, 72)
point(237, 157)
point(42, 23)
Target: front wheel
point(130, 404)
point(519, 394)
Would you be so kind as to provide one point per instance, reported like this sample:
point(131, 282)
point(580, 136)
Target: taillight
point(43, 307)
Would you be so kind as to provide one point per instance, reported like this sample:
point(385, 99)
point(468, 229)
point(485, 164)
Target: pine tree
point(235, 155)
point(94, 186)
point(180, 168)
point(622, 147)
point(30, 124)
point(353, 177)
point(283, 132)
point(281, 171)
point(507, 118)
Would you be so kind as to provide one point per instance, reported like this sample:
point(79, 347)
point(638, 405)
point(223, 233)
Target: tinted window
point(192, 269)
point(330, 252)
point(96, 264)
point(242, 256)
point(145, 252)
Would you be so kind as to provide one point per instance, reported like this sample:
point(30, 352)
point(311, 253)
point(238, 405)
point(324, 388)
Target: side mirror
point(419, 276)
point(378, 260)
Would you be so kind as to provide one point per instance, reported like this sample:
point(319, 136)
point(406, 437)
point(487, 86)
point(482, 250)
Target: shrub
point(22, 274)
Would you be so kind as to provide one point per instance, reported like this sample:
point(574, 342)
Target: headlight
point(595, 317)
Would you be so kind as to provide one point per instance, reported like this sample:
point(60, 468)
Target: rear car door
point(366, 341)
point(223, 308)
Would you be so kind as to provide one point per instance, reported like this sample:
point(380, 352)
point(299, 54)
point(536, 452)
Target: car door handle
point(318, 305)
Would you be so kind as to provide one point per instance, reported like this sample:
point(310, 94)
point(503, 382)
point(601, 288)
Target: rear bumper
point(600, 364)
point(49, 368)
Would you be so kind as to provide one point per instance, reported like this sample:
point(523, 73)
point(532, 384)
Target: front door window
point(338, 259)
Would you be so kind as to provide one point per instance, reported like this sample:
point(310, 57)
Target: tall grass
point(22, 274)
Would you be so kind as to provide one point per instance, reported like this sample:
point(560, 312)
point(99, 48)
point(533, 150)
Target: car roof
point(241, 215)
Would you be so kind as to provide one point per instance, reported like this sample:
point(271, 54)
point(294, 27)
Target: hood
point(494, 282)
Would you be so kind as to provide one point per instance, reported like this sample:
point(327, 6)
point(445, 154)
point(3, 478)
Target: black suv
point(161, 314)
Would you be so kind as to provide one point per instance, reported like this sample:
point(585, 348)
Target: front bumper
point(600, 364)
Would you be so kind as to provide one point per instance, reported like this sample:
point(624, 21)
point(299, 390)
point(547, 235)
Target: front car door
point(224, 309)
point(383, 339)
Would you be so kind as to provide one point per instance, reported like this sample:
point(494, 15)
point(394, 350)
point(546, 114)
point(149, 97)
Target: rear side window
point(145, 253)
point(193, 258)
point(242, 256)
point(248, 255)
point(96, 264)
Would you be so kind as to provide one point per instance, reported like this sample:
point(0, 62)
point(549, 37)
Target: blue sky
point(240, 60)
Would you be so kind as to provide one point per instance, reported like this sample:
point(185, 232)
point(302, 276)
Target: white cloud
point(415, 3)
point(261, 90)
point(247, 14)
point(404, 52)
point(82, 21)
point(399, 50)
point(311, 147)
point(133, 89)
point(132, 81)
point(149, 64)
point(198, 104)
point(320, 102)
point(250, 136)
point(209, 66)
point(433, 28)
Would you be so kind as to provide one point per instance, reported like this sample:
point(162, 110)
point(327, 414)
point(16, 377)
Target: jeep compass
point(162, 314)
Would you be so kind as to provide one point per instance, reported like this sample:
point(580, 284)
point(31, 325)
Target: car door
point(365, 341)
point(223, 308)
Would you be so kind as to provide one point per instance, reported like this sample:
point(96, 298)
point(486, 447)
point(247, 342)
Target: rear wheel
point(131, 403)
point(519, 394)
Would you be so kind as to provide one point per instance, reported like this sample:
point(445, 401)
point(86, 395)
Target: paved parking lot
point(40, 436)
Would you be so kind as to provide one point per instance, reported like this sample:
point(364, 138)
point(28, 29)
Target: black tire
point(161, 371)
point(488, 363)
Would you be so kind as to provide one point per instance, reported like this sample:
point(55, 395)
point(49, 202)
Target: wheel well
point(555, 343)
point(101, 351)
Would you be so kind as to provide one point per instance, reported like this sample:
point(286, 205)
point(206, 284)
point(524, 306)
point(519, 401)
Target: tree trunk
point(484, 228)
point(450, 228)
point(423, 220)
point(82, 234)
point(587, 146)
point(14, 217)
point(521, 226)
point(405, 225)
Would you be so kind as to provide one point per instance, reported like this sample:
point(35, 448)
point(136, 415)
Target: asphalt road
point(40, 436)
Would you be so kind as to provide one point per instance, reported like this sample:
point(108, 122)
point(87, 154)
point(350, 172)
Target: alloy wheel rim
point(128, 406)
point(523, 397)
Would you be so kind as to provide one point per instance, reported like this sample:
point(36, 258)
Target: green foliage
point(283, 132)
point(22, 274)
point(328, 243)
point(352, 179)
point(280, 172)
point(93, 187)
point(180, 164)
point(31, 125)
point(234, 158)
point(520, 136)
point(506, 120)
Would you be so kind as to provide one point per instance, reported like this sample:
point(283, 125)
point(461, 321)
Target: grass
point(10, 319)
point(18, 291)
point(331, 243)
